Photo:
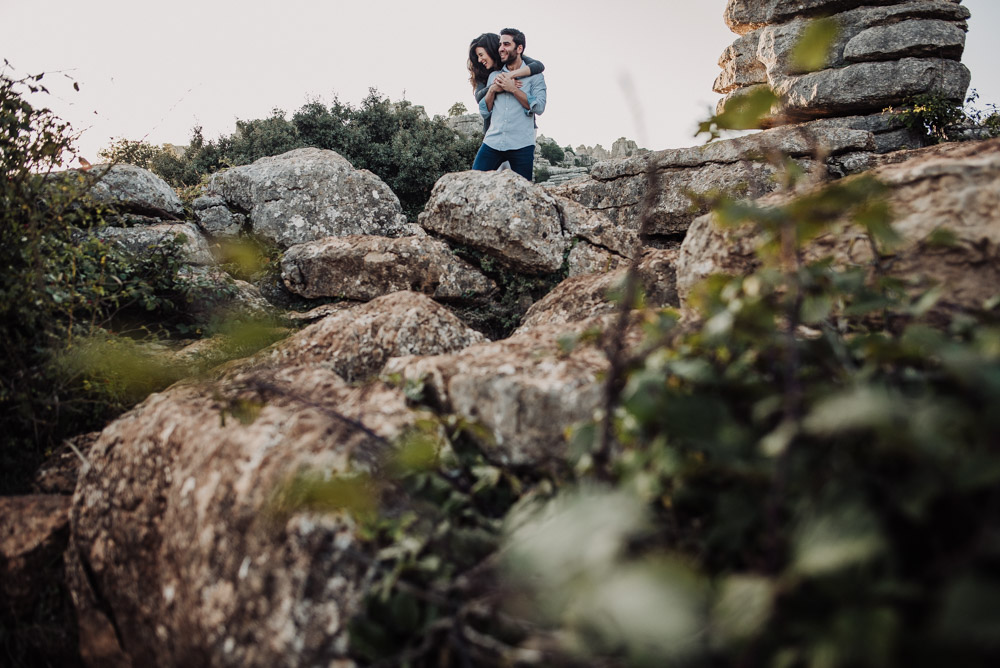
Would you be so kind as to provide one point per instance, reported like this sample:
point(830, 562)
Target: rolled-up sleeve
point(483, 110)
point(536, 97)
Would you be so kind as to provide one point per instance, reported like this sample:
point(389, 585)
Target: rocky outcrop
point(524, 391)
point(884, 53)
point(524, 226)
point(954, 187)
point(580, 298)
point(365, 267)
point(355, 343)
point(738, 167)
point(131, 189)
point(144, 241)
point(305, 195)
point(216, 218)
point(468, 125)
point(182, 552)
point(499, 213)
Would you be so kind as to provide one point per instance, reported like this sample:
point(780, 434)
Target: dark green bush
point(552, 152)
point(395, 140)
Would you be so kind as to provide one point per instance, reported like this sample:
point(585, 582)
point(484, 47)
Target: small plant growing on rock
point(940, 119)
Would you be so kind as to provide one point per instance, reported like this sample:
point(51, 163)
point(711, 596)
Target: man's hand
point(508, 83)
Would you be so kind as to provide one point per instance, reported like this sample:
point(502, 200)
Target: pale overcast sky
point(637, 68)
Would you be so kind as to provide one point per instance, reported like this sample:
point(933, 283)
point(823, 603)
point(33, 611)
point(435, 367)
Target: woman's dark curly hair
point(477, 73)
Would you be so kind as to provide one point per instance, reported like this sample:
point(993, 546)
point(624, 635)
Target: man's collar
point(506, 68)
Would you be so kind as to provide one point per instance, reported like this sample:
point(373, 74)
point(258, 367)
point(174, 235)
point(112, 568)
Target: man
point(511, 111)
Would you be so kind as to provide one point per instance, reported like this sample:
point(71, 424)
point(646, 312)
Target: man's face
point(508, 50)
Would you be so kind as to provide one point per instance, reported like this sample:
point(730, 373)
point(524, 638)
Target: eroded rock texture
point(685, 176)
point(179, 555)
point(366, 267)
point(131, 189)
point(885, 52)
point(304, 195)
point(954, 187)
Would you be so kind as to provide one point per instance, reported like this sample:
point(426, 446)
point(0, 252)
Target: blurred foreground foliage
point(804, 474)
point(82, 321)
point(397, 141)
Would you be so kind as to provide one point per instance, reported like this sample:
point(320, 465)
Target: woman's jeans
point(521, 160)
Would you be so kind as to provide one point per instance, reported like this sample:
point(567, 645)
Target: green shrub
point(139, 153)
point(940, 119)
point(542, 174)
point(395, 140)
point(552, 152)
point(63, 291)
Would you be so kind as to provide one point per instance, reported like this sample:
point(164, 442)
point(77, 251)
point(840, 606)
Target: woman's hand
point(508, 83)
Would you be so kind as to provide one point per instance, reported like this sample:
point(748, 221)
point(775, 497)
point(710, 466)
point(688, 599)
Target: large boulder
point(524, 391)
point(355, 343)
point(183, 551)
point(365, 267)
point(131, 189)
point(145, 241)
point(501, 214)
point(955, 187)
point(304, 195)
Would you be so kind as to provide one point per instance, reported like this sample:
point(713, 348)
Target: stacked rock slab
point(885, 52)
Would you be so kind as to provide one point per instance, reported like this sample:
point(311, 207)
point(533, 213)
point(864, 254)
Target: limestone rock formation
point(501, 214)
point(735, 166)
point(216, 218)
point(523, 225)
point(182, 552)
point(469, 125)
point(524, 390)
point(954, 187)
point(581, 298)
point(308, 194)
point(885, 52)
point(355, 343)
point(145, 240)
point(131, 189)
point(365, 267)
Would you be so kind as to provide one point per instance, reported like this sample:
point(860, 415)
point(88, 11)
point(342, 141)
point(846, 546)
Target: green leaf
point(838, 539)
point(747, 111)
point(812, 51)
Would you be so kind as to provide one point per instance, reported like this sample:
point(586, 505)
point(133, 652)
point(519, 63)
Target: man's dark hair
point(515, 35)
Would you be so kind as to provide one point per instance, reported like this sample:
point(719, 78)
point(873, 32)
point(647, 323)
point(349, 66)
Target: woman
point(484, 57)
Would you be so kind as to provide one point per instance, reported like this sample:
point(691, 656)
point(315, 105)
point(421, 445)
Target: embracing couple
point(511, 91)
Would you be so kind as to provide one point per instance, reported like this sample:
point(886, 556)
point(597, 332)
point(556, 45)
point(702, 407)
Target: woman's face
point(484, 58)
